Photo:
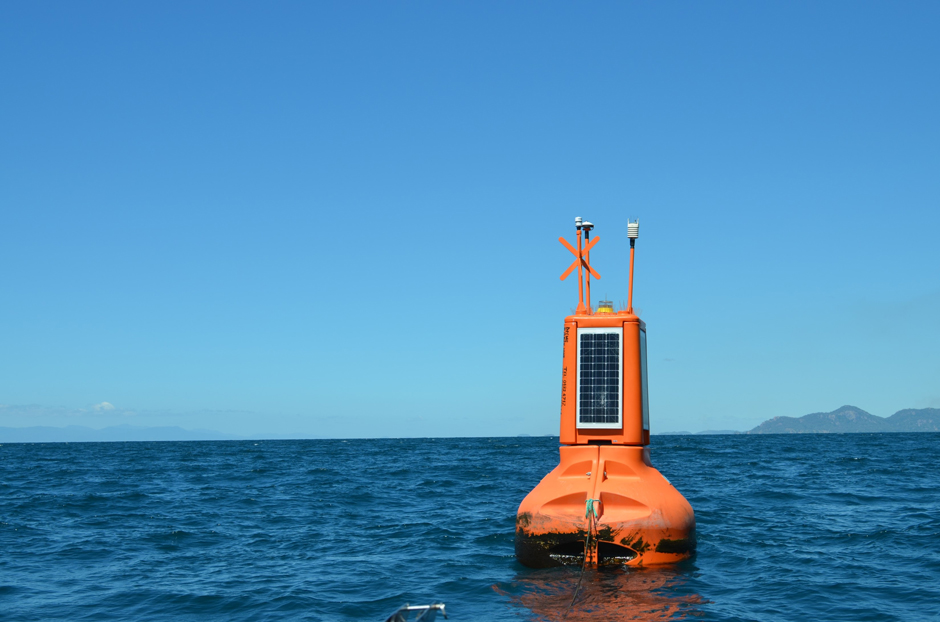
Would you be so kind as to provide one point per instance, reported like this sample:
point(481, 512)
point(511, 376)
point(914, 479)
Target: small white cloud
point(103, 406)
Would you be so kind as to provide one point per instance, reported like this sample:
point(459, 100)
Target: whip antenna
point(633, 232)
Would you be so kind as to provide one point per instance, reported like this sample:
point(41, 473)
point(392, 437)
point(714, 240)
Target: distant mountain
point(78, 434)
point(851, 419)
point(916, 420)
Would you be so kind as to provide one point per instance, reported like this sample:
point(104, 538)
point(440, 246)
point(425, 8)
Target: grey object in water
point(428, 613)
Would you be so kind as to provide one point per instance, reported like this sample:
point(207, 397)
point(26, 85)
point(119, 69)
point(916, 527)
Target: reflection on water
point(609, 594)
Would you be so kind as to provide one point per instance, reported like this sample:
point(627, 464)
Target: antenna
point(587, 257)
point(633, 232)
point(577, 224)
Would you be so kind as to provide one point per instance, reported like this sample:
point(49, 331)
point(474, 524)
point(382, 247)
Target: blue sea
point(790, 527)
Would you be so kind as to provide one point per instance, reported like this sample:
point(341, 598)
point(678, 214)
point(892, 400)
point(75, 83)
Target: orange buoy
point(604, 504)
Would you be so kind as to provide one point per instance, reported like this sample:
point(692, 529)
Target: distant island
point(118, 433)
point(845, 420)
point(851, 419)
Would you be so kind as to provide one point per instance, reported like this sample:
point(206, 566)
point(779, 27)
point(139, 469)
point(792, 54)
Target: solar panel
point(599, 377)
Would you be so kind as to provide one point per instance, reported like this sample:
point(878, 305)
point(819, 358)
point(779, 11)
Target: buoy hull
point(642, 519)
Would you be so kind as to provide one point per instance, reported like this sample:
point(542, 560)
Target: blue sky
point(341, 219)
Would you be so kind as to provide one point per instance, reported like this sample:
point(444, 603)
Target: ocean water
point(790, 527)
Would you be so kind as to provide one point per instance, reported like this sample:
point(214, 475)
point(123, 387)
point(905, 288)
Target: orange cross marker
point(579, 257)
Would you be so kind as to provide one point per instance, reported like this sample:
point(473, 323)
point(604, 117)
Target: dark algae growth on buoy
point(788, 527)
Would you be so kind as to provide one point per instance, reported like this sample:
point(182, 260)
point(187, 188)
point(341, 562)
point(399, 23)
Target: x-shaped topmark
point(579, 257)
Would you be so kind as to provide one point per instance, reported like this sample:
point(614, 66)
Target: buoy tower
point(604, 504)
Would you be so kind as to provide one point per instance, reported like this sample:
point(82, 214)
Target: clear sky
point(341, 219)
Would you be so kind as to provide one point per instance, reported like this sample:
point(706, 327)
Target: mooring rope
point(591, 514)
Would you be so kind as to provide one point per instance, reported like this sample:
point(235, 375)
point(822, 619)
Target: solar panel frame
point(600, 378)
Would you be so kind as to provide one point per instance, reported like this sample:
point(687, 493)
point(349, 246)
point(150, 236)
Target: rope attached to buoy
point(591, 513)
point(591, 508)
